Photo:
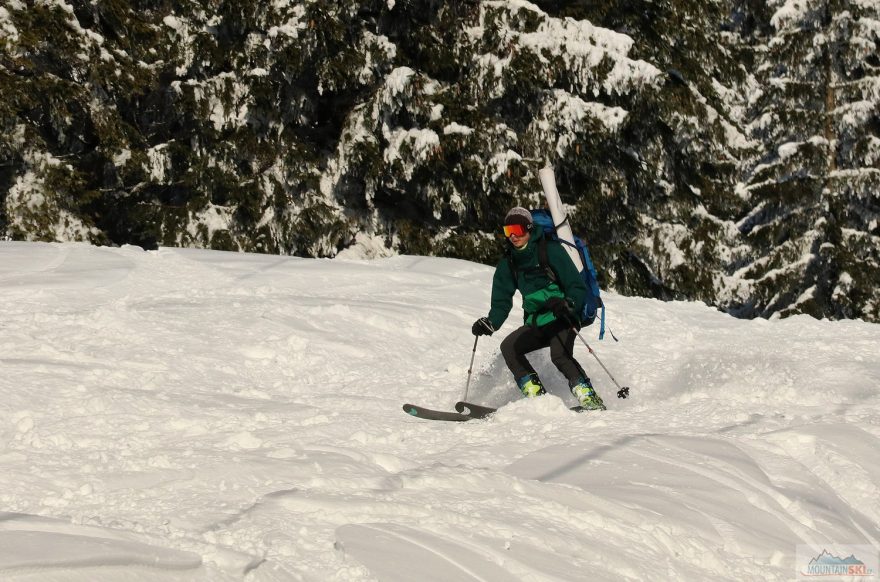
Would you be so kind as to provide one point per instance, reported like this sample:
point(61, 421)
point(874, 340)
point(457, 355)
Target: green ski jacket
point(534, 283)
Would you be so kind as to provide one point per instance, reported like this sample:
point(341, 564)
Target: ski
point(474, 410)
point(465, 411)
point(479, 411)
point(428, 414)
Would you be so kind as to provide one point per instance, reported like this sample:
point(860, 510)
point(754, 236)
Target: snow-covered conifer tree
point(814, 192)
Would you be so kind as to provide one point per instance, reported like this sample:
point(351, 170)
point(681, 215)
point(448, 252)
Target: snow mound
point(44, 549)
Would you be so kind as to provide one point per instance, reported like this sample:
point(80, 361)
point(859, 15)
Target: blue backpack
point(543, 220)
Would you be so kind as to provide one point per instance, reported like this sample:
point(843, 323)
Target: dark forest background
point(724, 151)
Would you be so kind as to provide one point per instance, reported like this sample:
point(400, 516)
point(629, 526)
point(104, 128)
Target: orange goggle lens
point(514, 230)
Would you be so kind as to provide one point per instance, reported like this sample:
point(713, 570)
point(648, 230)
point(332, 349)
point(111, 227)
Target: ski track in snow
point(197, 415)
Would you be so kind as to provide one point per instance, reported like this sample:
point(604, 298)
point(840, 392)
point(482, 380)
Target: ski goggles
point(515, 230)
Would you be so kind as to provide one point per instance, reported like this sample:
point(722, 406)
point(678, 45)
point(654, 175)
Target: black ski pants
point(557, 335)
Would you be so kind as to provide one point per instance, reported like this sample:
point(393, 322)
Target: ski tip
point(431, 414)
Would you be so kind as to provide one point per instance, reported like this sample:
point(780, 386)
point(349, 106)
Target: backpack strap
point(512, 266)
point(544, 260)
point(556, 226)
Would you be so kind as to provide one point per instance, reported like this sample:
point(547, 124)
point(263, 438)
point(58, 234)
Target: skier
point(551, 298)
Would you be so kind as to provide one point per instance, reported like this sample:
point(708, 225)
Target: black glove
point(482, 327)
point(560, 309)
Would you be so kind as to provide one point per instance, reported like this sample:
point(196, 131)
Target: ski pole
point(622, 392)
point(470, 370)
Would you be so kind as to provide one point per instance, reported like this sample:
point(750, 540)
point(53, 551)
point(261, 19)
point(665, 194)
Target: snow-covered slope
point(197, 415)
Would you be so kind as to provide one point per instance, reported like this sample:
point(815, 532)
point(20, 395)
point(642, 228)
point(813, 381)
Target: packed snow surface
point(197, 415)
